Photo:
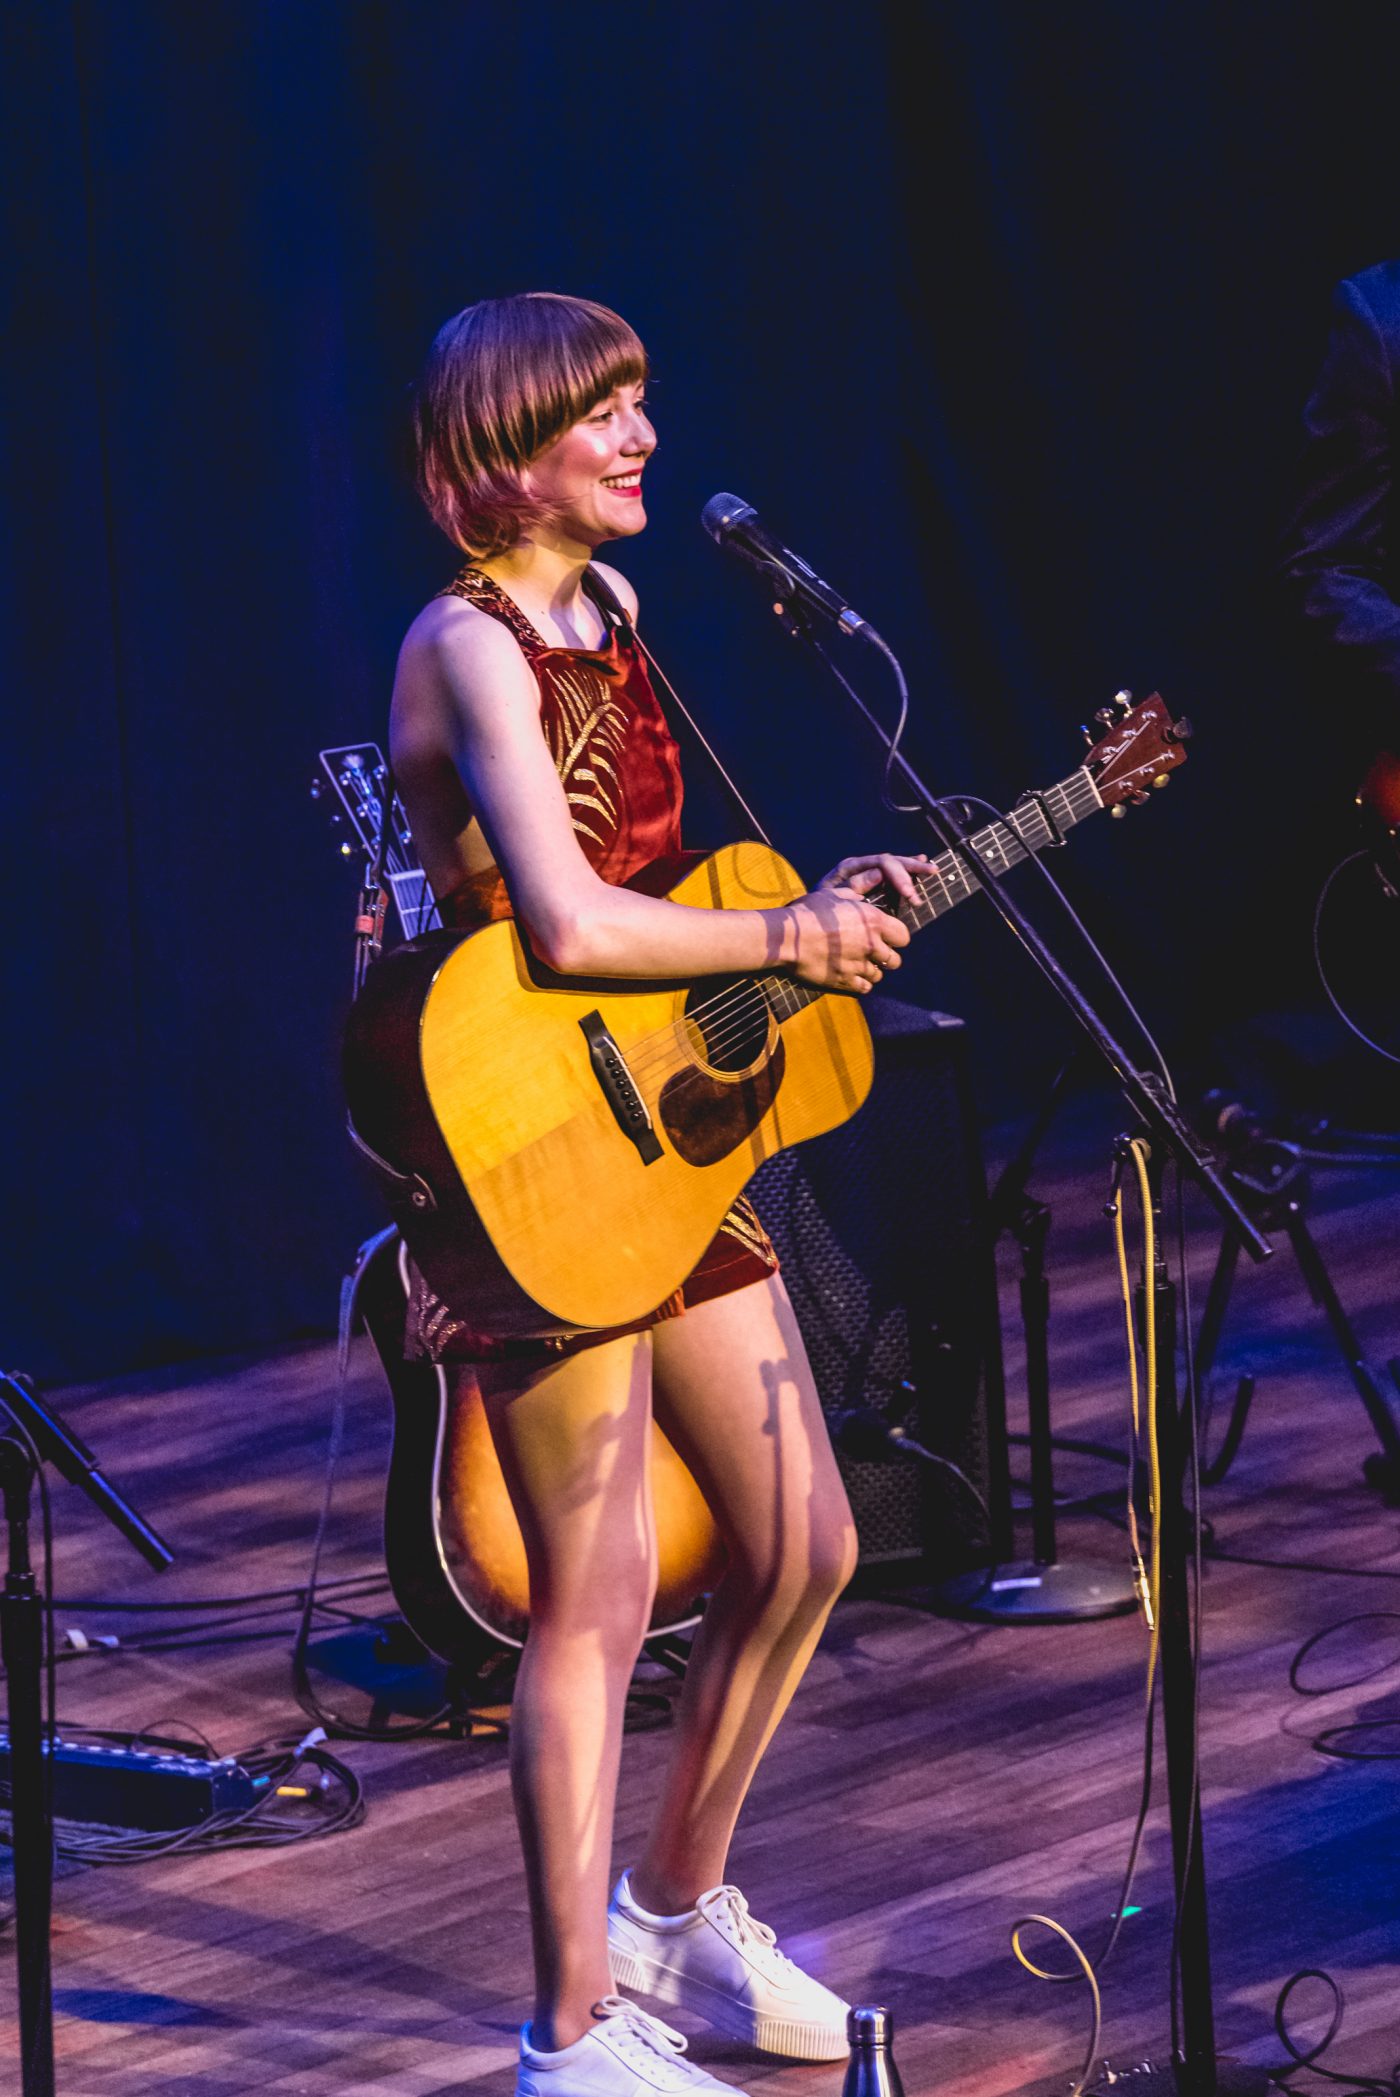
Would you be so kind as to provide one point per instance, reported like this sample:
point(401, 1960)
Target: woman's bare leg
point(734, 1393)
point(573, 1441)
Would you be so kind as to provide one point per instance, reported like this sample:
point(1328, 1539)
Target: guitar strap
point(607, 602)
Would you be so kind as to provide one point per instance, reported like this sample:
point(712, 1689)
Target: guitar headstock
point(360, 779)
point(1140, 748)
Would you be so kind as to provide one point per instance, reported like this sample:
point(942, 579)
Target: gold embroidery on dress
point(590, 726)
point(742, 1224)
point(588, 730)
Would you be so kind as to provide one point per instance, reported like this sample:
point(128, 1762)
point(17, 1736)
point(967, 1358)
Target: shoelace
point(645, 2037)
point(727, 1903)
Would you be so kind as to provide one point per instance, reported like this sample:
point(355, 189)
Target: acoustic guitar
point(560, 1152)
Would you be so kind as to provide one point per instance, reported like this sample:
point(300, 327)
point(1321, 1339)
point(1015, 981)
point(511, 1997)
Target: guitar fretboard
point(1035, 823)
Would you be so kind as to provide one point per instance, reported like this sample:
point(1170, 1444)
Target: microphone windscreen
point(721, 513)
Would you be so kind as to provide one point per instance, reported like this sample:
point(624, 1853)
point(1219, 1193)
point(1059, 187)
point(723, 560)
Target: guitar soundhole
point(728, 1022)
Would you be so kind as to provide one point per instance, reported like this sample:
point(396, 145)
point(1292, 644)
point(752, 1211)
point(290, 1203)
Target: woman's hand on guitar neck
point(835, 940)
point(899, 872)
point(850, 947)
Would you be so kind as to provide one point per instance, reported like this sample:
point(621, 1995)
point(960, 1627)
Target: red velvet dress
point(620, 770)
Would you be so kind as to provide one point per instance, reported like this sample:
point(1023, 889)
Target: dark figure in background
point(1341, 564)
point(1341, 552)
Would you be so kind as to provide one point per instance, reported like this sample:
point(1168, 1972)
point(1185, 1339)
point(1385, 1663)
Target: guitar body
point(452, 1546)
point(563, 1198)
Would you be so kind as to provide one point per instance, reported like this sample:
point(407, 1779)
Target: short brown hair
point(503, 379)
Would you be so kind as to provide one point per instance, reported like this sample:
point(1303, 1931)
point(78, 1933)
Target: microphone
point(733, 524)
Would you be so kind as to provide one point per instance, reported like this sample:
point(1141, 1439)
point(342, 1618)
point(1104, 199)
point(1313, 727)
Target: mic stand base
point(1026, 1593)
point(1226, 2077)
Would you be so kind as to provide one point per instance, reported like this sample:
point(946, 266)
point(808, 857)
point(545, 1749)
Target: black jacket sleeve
point(1339, 550)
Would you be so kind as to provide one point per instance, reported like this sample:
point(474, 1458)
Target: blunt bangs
point(503, 379)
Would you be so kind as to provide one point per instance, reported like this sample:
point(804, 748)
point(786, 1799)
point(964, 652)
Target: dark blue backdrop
point(1002, 313)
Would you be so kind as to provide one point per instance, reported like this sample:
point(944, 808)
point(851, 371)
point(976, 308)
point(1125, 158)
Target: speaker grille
point(880, 1229)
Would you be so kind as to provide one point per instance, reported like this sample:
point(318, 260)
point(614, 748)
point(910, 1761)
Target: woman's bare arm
point(576, 922)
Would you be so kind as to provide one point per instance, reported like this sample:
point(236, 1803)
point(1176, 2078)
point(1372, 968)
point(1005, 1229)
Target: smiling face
point(529, 425)
point(589, 480)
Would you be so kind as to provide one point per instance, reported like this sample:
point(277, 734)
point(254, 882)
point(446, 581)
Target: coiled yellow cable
point(1147, 1577)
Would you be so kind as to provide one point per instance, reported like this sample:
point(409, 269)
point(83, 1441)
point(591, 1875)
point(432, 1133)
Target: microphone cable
point(1333, 1000)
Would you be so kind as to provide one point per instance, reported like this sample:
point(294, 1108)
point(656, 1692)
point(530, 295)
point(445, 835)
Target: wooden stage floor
point(934, 1781)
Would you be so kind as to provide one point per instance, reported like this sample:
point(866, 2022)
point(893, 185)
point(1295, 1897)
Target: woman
point(538, 775)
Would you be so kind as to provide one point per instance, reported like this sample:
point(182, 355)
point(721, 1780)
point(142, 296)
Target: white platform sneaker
point(627, 2053)
point(721, 1963)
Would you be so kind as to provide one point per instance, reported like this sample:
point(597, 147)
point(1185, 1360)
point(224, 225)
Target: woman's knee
point(607, 1607)
point(834, 1548)
point(806, 1571)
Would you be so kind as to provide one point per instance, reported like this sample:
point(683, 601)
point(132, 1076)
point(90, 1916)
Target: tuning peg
point(1180, 731)
point(347, 850)
point(1119, 809)
point(1090, 738)
point(1162, 779)
point(315, 789)
point(1107, 716)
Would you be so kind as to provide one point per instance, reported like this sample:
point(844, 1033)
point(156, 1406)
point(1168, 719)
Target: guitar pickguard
point(707, 1116)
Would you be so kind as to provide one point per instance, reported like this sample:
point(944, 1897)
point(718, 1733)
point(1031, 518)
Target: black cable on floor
point(284, 1812)
point(1311, 2059)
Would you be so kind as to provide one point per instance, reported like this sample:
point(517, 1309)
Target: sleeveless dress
point(620, 770)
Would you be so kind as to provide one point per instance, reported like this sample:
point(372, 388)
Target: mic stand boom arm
point(1144, 1090)
point(1195, 2072)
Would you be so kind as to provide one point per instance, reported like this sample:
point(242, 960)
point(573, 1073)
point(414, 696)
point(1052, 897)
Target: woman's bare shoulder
point(622, 589)
point(460, 650)
point(456, 661)
point(450, 630)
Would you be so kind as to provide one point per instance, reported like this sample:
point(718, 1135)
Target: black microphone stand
point(32, 1437)
point(1194, 2070)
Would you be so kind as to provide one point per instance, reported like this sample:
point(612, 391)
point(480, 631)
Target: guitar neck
point(1034, 824)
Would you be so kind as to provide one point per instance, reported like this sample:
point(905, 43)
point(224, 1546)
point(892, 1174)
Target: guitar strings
point(645, 1050)
point(732, 1007)
point(736, 1010)
point(643, 1055)
point(1078, 797)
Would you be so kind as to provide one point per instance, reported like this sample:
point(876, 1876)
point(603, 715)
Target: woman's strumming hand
point(836, 940)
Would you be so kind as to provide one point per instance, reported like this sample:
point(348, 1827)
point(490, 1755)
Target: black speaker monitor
point(881, 1230)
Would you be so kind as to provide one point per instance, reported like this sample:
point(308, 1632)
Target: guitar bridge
point(619, 1088)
